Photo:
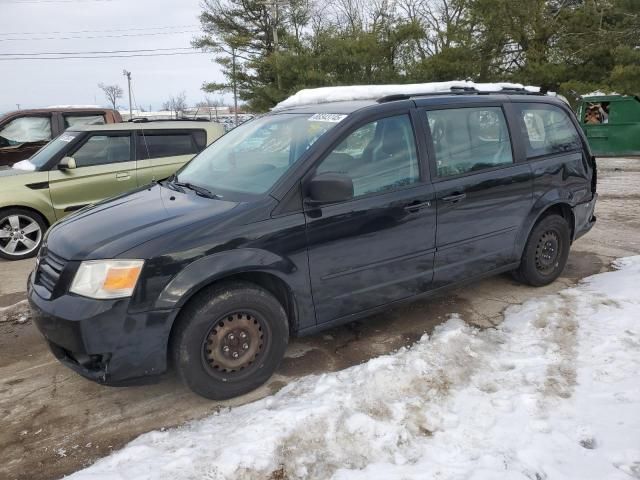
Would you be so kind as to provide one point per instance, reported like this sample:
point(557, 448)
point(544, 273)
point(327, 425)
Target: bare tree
point(210, 103)
point(112, 92)
point(176, 105)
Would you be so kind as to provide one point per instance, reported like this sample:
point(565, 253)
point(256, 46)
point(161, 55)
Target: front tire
point(229, 340)
point(546, 252)
point(21, 233)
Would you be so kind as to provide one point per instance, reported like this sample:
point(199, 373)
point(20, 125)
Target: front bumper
point(584, 217)
point(100, 339)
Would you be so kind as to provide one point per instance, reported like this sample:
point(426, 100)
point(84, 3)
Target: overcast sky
point(41, 83)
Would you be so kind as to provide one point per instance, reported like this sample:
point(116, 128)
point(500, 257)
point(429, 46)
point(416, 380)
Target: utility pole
point(235, 87)
point(128, 75)
point(274, 14)
point(18, 105)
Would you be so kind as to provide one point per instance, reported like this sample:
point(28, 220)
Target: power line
point(18, 2)
point(93, 52)
point(99, 31)
point(103, 56)
point(99, 36)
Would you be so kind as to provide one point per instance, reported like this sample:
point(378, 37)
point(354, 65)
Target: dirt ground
point(54, 422)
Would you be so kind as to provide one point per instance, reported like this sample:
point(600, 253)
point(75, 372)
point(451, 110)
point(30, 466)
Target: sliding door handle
point(454, 198)
point(416, 206)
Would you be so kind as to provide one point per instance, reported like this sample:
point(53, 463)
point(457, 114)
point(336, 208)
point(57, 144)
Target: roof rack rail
point(458, 91)
point(464, 89)
point(145, 120)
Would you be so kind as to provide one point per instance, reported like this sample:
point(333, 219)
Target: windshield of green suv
point(42, 156)
point(252, 157)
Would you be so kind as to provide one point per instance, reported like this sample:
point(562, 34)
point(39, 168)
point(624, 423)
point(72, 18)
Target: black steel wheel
point(546, 252)
point(229, 339)
point(235, 343)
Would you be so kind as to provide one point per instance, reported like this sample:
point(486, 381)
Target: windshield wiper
point(199, 190)
point(169, 183)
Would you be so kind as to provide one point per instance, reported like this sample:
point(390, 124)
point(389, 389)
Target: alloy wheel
point(19, 235)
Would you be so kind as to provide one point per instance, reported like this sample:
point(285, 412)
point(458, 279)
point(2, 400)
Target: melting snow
point(598, 93)
point(552, 393)
point(312, 96)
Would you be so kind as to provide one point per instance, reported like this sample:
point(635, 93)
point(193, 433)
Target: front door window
point(379, 156)
point(102, 150)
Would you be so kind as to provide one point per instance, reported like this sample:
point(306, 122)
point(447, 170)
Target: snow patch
point(17, 313)
point(551, 393)
point(312, 96)
point(599, 93)
point(24, 165)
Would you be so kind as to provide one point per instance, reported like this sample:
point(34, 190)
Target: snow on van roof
point(312, 96)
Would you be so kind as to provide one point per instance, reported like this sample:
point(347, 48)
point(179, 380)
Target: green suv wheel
point(21, 233)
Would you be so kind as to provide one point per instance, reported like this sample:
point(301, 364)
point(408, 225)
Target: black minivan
point(306, 218)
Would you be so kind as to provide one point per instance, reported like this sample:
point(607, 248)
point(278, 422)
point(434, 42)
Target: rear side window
point(76, 120)
point(469, 139)
point(547, 129)
point(200, 137)
point(158, 145)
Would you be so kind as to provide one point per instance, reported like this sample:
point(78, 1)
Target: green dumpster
point(611, 123)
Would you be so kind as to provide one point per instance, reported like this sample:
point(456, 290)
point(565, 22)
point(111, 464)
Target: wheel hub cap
point(547, 251)
point(234, 342)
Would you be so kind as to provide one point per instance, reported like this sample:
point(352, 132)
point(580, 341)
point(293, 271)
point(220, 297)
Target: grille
point(49, 270)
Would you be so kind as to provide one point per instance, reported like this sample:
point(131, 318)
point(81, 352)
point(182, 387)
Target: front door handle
point(416, 206)
point(454, 198)
point(123, 176)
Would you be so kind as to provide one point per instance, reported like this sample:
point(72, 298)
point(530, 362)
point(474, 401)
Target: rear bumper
point(101, 340)
point(584, 217)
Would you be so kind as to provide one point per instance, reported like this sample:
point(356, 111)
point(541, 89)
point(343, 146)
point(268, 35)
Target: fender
point(37, 206)
point(29, 190)
point(207, 270)
point(548, 200)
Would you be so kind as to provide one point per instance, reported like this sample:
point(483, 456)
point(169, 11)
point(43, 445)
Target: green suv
point(85, 165)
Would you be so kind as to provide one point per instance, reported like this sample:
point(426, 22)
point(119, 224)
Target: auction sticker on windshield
point(65, 137)
point(327, 117)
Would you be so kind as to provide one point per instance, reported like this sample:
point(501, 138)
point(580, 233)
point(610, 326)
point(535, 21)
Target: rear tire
point(229, 340)
point(21, 233)
point(546, 252)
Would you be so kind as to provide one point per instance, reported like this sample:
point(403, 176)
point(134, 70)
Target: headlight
point(107, 278)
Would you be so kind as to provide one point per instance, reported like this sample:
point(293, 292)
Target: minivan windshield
point(46, 153)
point(252, 157)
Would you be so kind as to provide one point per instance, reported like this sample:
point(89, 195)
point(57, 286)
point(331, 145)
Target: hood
point(12, 172)
point(11, 179)
point(109, 228)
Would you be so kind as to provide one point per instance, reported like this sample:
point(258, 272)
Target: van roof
point(128, 126)
point(346, 93)
point(348, 107)
point(348, 99)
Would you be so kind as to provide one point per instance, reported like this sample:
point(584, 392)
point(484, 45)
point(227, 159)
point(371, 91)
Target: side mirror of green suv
point(67, 163)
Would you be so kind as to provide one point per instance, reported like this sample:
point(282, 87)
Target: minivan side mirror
point(329, 187)
point(67, 163)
